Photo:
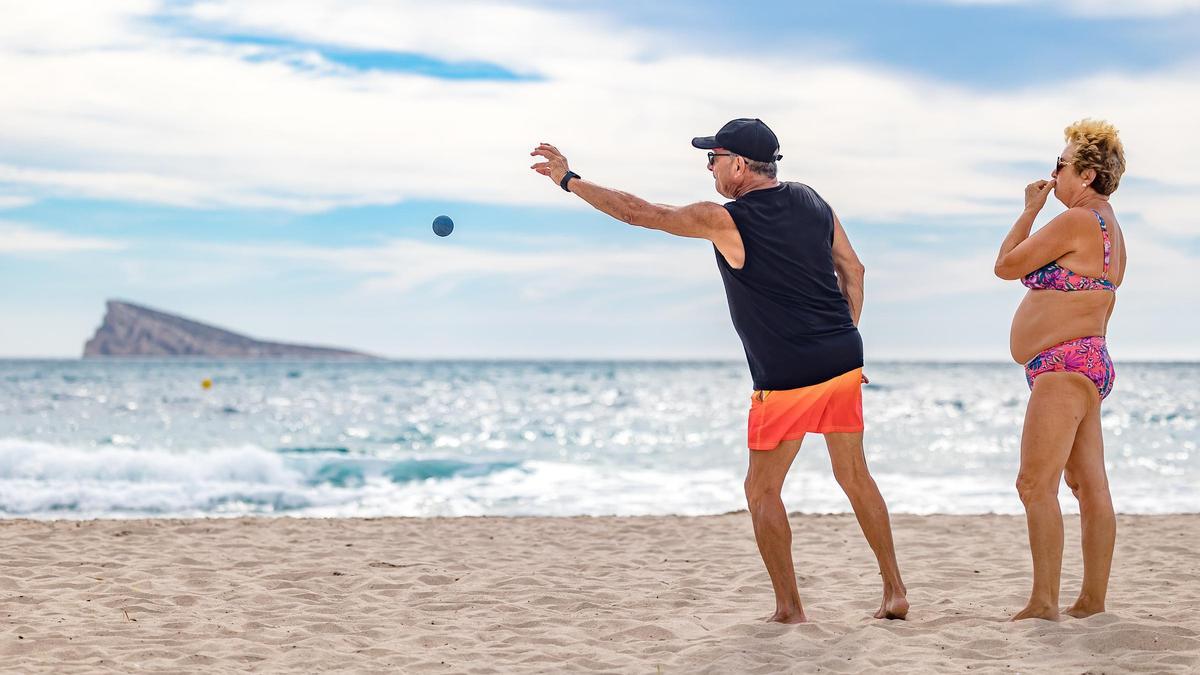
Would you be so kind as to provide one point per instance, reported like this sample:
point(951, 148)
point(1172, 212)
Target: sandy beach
point(631, 595)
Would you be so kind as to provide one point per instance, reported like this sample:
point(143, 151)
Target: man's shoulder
point(707, 207)
point(809, 196)
point(712, 212)
point(803, 188)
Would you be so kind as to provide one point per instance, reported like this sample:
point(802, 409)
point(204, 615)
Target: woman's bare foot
point(1037, 611)
point(895, 605)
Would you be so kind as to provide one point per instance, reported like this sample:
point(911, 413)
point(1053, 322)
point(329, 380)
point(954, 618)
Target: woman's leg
point(1087, 478)
point(1057, 405)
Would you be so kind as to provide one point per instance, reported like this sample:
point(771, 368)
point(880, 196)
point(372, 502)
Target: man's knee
point(853, 477)
point(761, 489)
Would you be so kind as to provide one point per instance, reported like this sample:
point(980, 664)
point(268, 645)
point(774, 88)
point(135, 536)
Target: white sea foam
point(83, 439)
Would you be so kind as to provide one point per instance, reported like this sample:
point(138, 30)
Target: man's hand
point(702, 220)
point(555, 165)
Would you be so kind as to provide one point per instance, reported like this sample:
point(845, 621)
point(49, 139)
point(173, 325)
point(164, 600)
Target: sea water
point(82, 439)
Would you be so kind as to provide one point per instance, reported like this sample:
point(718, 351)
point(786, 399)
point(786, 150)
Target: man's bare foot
point(1082, 609)
point(895, 605)
point(788, 617)
point(1037, 611)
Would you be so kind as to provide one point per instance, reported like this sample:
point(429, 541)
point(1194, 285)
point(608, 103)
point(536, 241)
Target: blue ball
point(443, 226)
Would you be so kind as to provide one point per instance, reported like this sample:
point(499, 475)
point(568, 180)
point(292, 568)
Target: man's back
point(785, 302)
point(786, 299)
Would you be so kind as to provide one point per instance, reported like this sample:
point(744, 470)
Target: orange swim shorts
point(833, 406)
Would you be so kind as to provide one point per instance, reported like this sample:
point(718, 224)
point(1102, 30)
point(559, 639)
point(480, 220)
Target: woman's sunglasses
point(1059, 163)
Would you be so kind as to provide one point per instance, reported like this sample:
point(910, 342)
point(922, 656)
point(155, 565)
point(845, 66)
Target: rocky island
point(133, 330)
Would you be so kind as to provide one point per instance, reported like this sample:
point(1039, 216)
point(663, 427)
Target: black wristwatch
point(567, 179)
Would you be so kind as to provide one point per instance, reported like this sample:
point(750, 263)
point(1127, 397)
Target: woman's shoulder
point(1084, 214)
point(1076, 221)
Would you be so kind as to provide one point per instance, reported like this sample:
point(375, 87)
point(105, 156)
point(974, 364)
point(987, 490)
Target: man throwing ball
point(795, 291)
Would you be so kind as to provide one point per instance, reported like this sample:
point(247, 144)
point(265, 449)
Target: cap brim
point(705, 142)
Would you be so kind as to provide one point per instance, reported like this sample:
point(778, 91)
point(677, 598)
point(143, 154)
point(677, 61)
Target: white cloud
point(401, 265)
point(15, 201)
point(909, 276)
point(71, 24)
point(17, 238)
point(524, 38)
point(1101, 8)
point(194, 123)
point(101, 103)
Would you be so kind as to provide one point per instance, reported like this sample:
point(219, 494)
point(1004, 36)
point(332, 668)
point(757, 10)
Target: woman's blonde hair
point(1098, 147)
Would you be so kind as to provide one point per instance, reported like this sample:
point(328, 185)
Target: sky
point(274, 167)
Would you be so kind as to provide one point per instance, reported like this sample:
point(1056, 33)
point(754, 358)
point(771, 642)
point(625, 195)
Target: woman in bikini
point(1072, 268)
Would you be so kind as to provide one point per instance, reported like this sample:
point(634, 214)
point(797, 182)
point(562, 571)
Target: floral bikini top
point(1055, 277)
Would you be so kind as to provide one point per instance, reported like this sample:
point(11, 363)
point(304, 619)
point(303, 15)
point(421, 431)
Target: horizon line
point(522, 359)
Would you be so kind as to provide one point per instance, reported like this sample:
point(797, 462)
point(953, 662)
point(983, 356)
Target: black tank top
point(785, 302)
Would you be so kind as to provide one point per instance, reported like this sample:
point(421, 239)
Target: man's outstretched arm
point(850, 270)
point(702, 220)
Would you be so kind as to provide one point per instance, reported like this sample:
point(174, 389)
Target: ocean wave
point(54, 481)
point(48, 479)
point(110, 439)
point(36, 461)
point(352, 472)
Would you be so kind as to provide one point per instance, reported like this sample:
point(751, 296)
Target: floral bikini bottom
point(1087, 356)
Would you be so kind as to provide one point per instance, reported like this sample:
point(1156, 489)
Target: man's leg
point(850, 470)
point(764, 481)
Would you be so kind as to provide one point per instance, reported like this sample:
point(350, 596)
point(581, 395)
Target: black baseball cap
point(750, 138)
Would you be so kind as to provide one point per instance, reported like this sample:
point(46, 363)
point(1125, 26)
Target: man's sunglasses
point(712, 157)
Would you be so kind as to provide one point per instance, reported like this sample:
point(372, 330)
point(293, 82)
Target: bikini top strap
point(1107, 242)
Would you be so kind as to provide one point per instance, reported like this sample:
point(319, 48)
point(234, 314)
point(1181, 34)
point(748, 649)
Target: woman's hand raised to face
point(1036, 193)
